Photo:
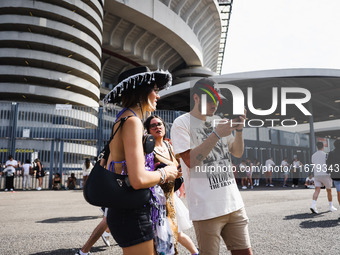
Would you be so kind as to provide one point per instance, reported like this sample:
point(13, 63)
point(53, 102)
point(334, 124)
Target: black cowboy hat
point(134, 78)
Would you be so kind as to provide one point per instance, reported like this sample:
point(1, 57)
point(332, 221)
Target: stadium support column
point(311, 128)
point(13, 128)
point(100, 130)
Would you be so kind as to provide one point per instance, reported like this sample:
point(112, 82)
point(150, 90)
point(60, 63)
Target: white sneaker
point(251, 187)
point(39, 188)
point(6, 190)
point(332, 209)
point(11, 189)
point(271, 185)
point(82, 253)
point(244, 187)
point(313, 209)
point(105, 237)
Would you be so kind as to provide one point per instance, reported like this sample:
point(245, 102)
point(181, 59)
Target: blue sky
point(276, 34)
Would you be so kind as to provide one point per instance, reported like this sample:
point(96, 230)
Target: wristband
point(239, 130)
point(216, 134)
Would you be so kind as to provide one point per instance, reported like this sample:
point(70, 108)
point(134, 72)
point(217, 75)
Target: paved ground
point(59, 222)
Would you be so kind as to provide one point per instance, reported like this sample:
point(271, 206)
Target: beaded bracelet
point(163, 175)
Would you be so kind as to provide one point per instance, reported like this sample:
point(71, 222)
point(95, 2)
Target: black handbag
point(107, 189)
point(178, 183)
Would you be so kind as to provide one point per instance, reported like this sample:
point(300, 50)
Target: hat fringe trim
point(134, 81)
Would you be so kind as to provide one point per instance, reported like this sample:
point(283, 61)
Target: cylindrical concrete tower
point(50, 51)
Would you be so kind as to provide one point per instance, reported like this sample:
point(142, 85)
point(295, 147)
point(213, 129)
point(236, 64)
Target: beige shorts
point(322, 180)
point(233, 228)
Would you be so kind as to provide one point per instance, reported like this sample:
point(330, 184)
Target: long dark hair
point(148, 121)
point(138, 95)
point(87, 163)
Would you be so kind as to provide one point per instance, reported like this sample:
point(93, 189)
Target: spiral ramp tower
point(50, 51)
point(50, 65)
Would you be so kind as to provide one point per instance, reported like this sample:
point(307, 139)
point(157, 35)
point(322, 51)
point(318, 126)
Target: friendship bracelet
point(216, 134)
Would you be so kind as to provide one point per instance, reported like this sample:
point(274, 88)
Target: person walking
point(321, 178)
point(40, 173)
point(163, 153)
point(137, 90)
point(215, 203)
point(333, 165)
point(101, 230)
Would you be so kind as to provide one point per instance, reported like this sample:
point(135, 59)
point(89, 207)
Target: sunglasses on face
point(156, 90)
point(154, 125)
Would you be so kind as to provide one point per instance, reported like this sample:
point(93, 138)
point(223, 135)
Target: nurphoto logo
point(239, 104)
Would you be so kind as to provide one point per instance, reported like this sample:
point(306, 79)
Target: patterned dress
point(168, 189)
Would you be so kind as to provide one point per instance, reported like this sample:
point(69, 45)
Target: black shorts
point(130, 227)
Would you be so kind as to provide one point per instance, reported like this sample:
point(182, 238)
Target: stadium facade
point(59, 58)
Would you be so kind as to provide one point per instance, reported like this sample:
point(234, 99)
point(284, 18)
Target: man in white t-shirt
point(11, 164)
point(321, 177)
point(269, 171)
point(204, 146)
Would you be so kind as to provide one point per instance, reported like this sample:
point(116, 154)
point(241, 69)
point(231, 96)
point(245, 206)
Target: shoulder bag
point(108, 189)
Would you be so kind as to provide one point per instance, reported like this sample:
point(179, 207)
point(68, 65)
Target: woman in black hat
point(137, 91)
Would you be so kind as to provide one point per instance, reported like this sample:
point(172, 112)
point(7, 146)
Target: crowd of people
point(196, 150)
point(157, 227)
point(34, 170)
point(13, 168)
point(249, 173)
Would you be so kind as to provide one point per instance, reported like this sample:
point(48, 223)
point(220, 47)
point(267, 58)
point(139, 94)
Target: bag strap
point(106, 150)
point(122, 120)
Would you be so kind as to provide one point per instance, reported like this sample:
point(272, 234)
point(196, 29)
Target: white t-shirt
point(243, 168)
point(211, 193)
point(319, 159)
point(11, 169)
point(87, 171)
point(310, 179)
point(296, 164)
point(285, 166)
point(26, 168)
point(269, 165)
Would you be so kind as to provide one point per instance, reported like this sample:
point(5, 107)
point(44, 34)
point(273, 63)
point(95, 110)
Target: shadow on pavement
point(68, 219)
point(68, 251)
point(320, 224)
point(302, 216)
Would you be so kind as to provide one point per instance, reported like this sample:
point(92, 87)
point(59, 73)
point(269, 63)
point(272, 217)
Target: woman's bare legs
point(97, 232)
point(185, 240)
point(146, 248)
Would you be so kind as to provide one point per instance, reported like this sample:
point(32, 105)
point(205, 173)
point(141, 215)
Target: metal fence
point(61, 136)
